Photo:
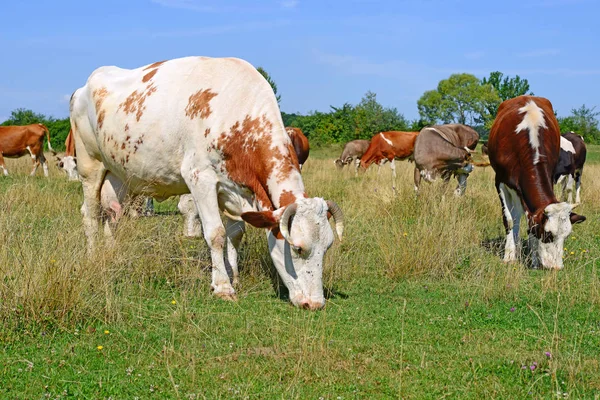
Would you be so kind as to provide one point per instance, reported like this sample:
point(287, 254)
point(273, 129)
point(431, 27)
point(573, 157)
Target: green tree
point(506, 88)
point(583, 121)
point(461, 98)
point(266, 75)
point(371, 118)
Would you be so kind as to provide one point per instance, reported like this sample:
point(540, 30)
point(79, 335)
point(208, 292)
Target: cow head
point(298, 254)
point(548, 230)
point(69, 165)
point(339, 163)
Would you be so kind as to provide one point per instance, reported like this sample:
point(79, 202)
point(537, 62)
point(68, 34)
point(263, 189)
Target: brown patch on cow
point(286, 198)
point(198, 104)
point(207, 132)
point(155, 65)
point(126, 127)
point(100, 119)
point(149, 75)
point(250, 160)
point(134, 103)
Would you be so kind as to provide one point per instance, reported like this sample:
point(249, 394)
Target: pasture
point(419, 305)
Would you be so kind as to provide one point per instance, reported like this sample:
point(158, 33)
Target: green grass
point(420, 304)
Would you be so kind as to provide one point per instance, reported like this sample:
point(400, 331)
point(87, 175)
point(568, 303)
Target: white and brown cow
point(445, 151)
point(300, 143)
point(524, 146)
point(212, 127)
point(389, 146)
point(570, 164)
point(68, 162)
point(18, 141)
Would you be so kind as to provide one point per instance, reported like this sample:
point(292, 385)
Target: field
point(419, 304)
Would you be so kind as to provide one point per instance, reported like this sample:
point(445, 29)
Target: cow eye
point(298, 250)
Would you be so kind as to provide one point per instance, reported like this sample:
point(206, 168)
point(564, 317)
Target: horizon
point(320, 54)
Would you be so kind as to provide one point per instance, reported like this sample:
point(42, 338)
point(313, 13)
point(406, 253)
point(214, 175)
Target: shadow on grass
point(496, 247)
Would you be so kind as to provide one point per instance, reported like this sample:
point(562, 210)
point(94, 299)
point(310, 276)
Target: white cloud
point(539, 53)
point(289, 3)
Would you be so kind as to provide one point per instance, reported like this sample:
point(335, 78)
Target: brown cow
point(445, 150)
point(524, 147)
point(300, 143)
point(570, 165)
point(17, 141)
point(69, 162)
point(389, 146)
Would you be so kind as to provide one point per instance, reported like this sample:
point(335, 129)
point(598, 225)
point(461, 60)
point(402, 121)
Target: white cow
point(210, 127)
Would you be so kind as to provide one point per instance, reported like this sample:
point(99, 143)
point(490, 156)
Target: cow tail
point(48, 136)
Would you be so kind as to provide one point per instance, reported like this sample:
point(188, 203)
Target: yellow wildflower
point(99, 347)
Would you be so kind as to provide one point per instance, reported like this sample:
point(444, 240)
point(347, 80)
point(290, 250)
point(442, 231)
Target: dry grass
point(436, 246)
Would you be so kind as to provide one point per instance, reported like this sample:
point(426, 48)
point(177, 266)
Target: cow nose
point(305, 305)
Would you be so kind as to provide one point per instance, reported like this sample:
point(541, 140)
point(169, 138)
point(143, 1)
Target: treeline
point(461, 98)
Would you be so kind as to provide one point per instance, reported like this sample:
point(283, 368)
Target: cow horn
point(338, 217)
point(285, 221)
point(468, 150)
point(574, 205)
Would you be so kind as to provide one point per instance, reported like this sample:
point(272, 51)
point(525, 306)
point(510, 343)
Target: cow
point(445, 151)
point(353, 150)
point(210, 127)
point(524, 147)
point(389, 146)
point(300, 143)
point(570, 165)
point(68, 162)
point(17, 141)
point(484, 149)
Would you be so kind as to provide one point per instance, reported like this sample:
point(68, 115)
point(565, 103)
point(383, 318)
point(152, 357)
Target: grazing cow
point(570, 165)
point(17, 141)
point(300, 143)
point(389, 146)
point(212, 127)
point(68, 163)
point(524, 147)
point(353, 150)
point(445, 151)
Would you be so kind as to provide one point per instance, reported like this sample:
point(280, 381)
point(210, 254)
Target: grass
point(420, 304)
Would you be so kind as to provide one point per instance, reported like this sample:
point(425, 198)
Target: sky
point(321, 53)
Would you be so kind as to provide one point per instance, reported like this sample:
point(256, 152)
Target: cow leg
point(235, 232)
point(3, 165)
point(393, 168)
point(417, 178)
point(44, 162)
point(203, 187)
point(191, 220)
point(512, 210)
point(356, 165)
point(149, 207)
point(569, 183)
point(91, 184)
point(462, 184)
point(578, 174)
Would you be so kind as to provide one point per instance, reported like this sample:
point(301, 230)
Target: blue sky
point(320, 53)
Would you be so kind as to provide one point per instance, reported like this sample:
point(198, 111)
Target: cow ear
point(262, 219)
point(576, 218)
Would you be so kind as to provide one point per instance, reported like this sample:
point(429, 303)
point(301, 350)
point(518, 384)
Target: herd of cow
point(210, 131)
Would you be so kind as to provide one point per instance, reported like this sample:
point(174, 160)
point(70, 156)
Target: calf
point(524, 147)
point(445, 151)
point(570, 165)
point(389, 146)
point(17, 141)
point(300, 143)
point(68, 162)
point(353, 150)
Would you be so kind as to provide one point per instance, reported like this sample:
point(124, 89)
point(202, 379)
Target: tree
point(22, 116)
point(266, 75)
point(506, 88)
point(371, 118)
point(583, 121)
point(461, 98)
